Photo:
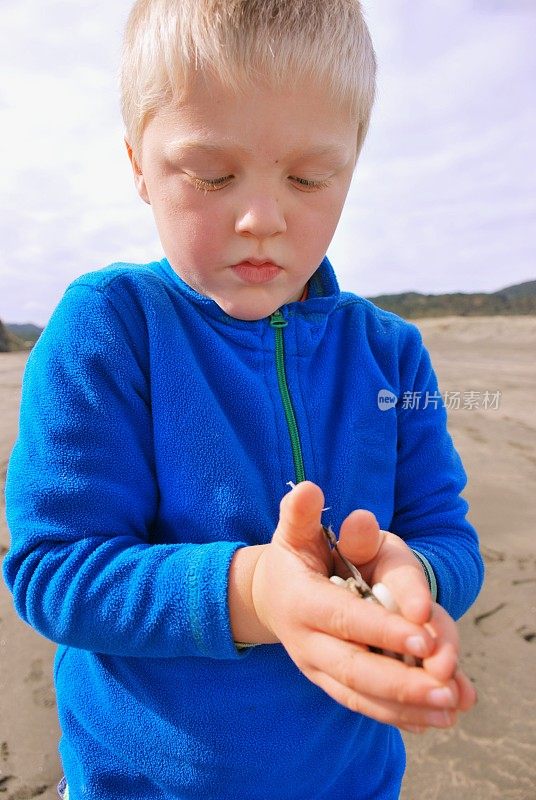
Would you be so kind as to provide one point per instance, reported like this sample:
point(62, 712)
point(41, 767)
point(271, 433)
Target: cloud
point(67, 198)
point(443, 198)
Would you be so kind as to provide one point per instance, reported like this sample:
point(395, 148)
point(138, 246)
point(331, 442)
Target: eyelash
point(213, 184)
point(210, 185)
point(307, 184)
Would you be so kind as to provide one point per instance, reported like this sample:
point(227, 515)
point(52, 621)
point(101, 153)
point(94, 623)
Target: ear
point(139, 180)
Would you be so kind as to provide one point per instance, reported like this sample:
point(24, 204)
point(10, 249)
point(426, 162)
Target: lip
point(255, 270)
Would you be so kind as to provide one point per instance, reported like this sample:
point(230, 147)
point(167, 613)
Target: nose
point(261, 216)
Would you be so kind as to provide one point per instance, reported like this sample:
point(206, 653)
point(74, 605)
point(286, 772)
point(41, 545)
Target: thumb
point(300, 513)
point(360, 537)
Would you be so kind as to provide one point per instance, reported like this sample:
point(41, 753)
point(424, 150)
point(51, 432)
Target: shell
point(338, 581)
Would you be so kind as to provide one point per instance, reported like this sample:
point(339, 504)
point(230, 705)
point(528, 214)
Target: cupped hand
point(328, 632)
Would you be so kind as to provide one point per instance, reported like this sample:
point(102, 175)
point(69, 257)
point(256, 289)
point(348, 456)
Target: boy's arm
point(430, 514)
point(82, 497)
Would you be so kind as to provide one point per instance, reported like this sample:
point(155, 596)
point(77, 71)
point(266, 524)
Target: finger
point(396, 566)
point(406, 580)
point(466, 691)
point(443, 662)
point(380, 677)
point(405, 717)
point(342, 615)
point(299, 515)
point(360, 537)
point(412, 593)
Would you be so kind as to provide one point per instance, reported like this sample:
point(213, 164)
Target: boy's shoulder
point(101, 301)
point(378, 323)
point(393, 343)
point(130, 288)
point(105, 304)
point(118, 272)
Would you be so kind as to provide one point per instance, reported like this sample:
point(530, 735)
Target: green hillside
point(9, 342)
point(517, 299)
point(26, 331)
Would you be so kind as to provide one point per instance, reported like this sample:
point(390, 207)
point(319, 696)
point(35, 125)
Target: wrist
point(246, 627)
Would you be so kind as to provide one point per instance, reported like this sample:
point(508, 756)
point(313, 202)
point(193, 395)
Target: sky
point(444, 194)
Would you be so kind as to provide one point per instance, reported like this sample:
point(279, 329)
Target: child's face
point(247, 190)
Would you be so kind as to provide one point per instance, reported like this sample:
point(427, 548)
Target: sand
point(492, 752)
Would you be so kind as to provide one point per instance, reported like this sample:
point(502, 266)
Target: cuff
point(429, 572)
point(207, 600)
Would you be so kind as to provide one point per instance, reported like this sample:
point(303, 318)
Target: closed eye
point(308, 185)
point(211, 184)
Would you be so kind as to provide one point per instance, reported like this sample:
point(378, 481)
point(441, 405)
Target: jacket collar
point(324, 294)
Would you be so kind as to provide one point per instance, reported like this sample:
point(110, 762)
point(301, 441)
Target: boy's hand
point(327, 631)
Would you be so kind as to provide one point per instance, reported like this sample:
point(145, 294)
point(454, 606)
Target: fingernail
point(442, 697)
point(416, 645)
point(439, 719)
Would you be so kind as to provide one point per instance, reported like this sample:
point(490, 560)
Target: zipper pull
point(277, 320)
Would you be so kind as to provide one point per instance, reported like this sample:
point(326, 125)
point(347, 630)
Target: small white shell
point(338, 581)
point(384, 596)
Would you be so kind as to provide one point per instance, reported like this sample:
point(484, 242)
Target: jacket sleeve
point(430, 513)
point(82, 499)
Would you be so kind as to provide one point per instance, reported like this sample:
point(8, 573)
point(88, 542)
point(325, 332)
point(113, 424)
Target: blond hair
point(241, 42)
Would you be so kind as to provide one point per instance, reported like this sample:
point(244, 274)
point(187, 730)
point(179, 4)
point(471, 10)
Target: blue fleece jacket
point(153, 443)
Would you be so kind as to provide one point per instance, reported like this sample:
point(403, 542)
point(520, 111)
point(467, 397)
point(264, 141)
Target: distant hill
point(517, 299)
point(519, 289)
point(9, 341)
point(26, 331)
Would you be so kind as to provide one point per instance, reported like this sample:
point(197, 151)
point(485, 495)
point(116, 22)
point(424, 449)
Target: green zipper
point(278, 322)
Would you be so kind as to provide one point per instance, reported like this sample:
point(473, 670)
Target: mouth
point(255, 271)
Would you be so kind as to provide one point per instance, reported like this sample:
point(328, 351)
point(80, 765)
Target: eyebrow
point(177, 147)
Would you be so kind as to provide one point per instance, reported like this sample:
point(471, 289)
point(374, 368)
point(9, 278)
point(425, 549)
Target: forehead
point(184, 146)
point(212, 119)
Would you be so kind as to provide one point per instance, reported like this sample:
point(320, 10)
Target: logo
point(386, 399)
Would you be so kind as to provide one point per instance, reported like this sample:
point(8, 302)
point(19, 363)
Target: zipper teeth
point(278, 322)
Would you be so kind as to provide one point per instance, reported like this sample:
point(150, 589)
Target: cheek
point(316, 230)
point(203, 229)
point(197, 246)
point(189, 222)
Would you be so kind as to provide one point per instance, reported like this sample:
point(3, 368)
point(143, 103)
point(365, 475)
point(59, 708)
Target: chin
point(247, 315)
point(248, 312)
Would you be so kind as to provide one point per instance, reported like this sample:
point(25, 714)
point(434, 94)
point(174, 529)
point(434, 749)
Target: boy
point(167, 406)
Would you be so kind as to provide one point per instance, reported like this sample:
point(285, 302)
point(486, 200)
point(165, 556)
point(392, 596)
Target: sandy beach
point(492, 752)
